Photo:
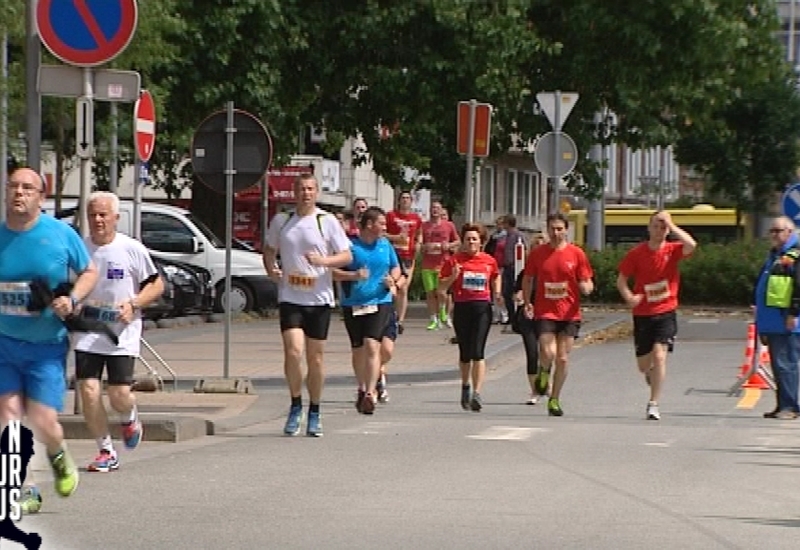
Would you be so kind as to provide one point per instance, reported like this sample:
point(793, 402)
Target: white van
point(174, 233)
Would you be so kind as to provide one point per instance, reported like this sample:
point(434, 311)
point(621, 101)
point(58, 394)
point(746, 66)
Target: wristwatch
point(134, 305)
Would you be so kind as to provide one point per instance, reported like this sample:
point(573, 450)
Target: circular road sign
point(144, 128)
point(545, 158)
point(86, 33)
point(252, 151)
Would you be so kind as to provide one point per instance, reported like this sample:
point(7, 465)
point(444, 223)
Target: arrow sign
point(84, 128)
point(790, 205)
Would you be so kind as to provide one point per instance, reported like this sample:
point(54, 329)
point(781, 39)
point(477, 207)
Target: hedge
point(715, 275)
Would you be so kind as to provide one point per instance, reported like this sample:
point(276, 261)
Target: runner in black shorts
point(654, 267)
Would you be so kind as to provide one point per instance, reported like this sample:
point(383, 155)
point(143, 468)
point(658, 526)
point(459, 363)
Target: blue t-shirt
point(49, 249)
point(379, 258)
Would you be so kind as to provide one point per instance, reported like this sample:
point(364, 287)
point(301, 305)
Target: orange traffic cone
point(757, 381)
point(749, 350)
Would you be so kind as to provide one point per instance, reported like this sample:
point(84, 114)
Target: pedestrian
point(128, 283)
point(367, 302)
point(653, 265)
point(403, 231)
point(526, 328)
point(496, 247)
point(777, 299)
point(475, 279)
point(310, 242)
point(34, 344)
point(506, 263)
point(439, 239)
point(561, 272)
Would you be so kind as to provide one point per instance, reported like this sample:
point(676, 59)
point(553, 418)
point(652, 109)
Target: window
point(524, 194)
point(487, 189)
point(165, 233)
point(511, 191)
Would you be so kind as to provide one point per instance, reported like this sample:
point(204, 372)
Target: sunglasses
point(775, 231)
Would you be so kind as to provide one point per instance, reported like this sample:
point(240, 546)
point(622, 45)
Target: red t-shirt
point(441, 233)
point(557, 273)
point(655, 275)
point(406, 225)
point(473, 284)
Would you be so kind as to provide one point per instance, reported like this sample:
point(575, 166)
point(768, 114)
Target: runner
point(475, 278)
point(402, 227)
point(561, 271)
point(449, 293)
point(129, 283)
point(34, 344)
point(310, 242)
point(439, 239)
point(527, 329)
point(389, 337)
point(367, 302)
point(653, 265)
point(354, 217)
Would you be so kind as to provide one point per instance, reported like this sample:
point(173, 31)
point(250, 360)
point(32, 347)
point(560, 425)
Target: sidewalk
point(197, 353)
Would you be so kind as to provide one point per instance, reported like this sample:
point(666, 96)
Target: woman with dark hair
point(475, 280)
point(527, 329)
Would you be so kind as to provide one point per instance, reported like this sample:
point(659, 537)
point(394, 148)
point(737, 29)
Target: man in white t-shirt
point(310, 242)
point(128, 282)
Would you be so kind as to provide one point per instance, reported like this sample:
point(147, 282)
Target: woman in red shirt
point(474, 278)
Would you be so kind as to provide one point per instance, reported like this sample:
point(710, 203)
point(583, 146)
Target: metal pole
point(3, 122)
point(790, 47)
point(264, 208)
point(594, 236)
point(555, 207)
point(229, 172)
point(113, 175)
point(33, 102)
point(140, 178)
point(86, 181)
point(468, 210)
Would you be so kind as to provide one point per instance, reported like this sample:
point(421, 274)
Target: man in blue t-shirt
point(367, 301)
point(34, 344)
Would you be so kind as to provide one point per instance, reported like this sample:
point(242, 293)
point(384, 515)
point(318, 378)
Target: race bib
point(657, 292)
point(14, 299)
point(402, 242)
point(436, 249)
point(303, 283)
point(364, 310)
point(476, 282)
point(555, 291)
point(107, 313)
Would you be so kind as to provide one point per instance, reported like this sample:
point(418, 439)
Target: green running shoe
point(554, 408)
point(65, 472)
point(31, 502)
point(542, 381)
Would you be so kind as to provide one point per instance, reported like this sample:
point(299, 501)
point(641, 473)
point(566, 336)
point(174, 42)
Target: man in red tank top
point(653, 265)
point(403, 231)
point(561, 272)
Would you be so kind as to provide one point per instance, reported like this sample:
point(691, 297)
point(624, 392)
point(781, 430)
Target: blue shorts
point(36, 371)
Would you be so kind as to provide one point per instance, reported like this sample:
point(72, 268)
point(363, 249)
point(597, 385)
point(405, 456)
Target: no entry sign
point(144, 124)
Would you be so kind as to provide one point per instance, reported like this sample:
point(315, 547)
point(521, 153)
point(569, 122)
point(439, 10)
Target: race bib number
point(14, 299)
point(106, 313)
point(555, 291)
point(657, 292)
point(364, 310)
point(436, 249)
point(402, 242)
point(475, 282)
point(303, 283)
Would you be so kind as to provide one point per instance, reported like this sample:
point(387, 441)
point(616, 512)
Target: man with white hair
point(128, 282)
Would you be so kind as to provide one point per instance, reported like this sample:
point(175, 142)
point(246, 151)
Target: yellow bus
point(628, 226)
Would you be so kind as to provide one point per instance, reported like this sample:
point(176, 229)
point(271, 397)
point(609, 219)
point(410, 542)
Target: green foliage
point(715, 275)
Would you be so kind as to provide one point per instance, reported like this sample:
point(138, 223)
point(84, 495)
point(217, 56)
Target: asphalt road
point(422, 473)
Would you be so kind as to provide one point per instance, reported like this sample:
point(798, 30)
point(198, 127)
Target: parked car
point(187, 290)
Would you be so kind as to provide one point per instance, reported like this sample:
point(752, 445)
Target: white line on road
point(703, 321)
point(505, 433)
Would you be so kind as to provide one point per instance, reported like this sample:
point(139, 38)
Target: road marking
point(703, 321)
point(662, 444)
point(505, 433)
point(749, 399)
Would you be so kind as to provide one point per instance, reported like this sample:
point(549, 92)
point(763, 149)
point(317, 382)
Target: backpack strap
point(320, 217)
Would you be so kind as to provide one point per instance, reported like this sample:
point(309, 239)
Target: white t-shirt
point(294, 236)
point(121, 264)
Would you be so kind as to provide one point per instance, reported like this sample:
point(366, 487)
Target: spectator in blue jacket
point(777, 300)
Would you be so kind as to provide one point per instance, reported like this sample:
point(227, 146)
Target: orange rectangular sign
point(482, 126)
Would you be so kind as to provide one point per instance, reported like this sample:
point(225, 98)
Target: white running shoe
point(652, 411)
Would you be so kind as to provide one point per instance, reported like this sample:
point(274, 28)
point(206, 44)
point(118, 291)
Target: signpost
point(790, 203)
point(144, 138)
point(474, 130)
point(85, 34)
point(228, 165)
point(557, 106)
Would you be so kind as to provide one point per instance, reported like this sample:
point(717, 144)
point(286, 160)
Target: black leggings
point(527, 328)
point(471, 321)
